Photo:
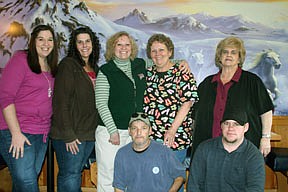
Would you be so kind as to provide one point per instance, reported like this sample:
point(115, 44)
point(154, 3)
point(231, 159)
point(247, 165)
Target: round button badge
point(155, 170)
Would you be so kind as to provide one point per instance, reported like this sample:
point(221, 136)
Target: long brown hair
point(32, 55)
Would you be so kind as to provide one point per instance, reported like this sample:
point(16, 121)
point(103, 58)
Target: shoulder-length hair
point(32, 55)
point(161, 38)
point(74, 52)
point(111, 43)
point(234, 42)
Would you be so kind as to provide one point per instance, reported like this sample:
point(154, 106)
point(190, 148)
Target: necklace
point(49, 85)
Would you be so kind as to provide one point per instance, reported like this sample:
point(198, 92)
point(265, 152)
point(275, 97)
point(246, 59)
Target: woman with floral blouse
point(169, 97)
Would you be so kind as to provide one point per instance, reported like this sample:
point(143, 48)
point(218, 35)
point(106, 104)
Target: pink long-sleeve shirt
point(28, 91)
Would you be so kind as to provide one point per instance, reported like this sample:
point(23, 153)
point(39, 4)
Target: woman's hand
point(266, 120)
point(184, 67)
point(115, 138)
point(17, 145)
point(169, 137)
point(170, 134)
point(18, 139)
point(265, 146)
point(73, 146)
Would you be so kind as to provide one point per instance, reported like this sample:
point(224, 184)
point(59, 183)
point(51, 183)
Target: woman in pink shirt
point(26, 103)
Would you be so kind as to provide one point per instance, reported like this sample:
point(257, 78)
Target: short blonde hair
point(230, 42)
point(111, 43)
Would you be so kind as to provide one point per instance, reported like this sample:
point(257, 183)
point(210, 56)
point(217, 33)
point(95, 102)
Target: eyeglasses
point(137, 114)
point(232, 52)
point(231, 124)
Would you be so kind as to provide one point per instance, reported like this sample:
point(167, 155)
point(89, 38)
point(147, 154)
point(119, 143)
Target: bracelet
point(268, 135)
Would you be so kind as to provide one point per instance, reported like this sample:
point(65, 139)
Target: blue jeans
point(24, 171)
point(181, 155)
point(71, 166)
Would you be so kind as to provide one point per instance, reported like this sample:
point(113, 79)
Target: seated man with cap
point(145, 165)
point(229, 162)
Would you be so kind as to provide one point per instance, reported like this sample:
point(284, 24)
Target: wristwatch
point(267, 135)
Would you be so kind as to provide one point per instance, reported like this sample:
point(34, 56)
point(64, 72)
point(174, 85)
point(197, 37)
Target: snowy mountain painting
point(195, 36)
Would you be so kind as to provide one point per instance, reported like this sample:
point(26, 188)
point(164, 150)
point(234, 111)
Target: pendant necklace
point(49, 85)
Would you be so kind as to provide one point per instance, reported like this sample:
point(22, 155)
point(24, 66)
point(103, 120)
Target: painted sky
point(272, 13)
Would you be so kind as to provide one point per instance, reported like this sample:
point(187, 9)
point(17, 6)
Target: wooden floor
point(5, 184)
point(43, 189)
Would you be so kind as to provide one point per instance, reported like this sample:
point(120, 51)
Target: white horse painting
point(264, 65)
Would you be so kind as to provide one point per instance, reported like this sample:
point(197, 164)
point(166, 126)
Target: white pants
point(105, 155)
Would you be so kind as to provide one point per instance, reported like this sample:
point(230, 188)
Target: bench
point(277, 160)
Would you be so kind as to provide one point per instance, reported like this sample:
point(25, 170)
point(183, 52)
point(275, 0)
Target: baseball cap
point(236, 114)
point(139, 116)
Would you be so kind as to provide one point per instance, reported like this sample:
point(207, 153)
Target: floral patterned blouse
point(165, 93)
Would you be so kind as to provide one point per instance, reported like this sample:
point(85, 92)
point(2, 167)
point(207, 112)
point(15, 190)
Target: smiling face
point(230, 57)
point(84, 45)
point(44, 44)
point(160, 56)
point(233, 132)
point(123, 48)
point(139, 132)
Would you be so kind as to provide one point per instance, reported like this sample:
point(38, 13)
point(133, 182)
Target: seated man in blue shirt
point(145, 165)
point(229, 162)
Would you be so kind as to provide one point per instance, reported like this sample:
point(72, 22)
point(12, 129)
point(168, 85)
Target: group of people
point(140, 115)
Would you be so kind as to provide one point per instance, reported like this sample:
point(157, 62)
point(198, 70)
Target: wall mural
point(194, 26)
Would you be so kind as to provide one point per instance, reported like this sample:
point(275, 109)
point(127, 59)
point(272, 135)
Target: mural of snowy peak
point(201, 25)
point(195, 37)
point(17, 18)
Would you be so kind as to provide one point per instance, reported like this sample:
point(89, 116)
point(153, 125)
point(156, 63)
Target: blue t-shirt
point(154, 169)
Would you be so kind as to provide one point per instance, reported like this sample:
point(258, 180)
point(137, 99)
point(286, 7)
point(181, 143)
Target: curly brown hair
point(161, 39)
point(74, 52)
point(111, 42)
